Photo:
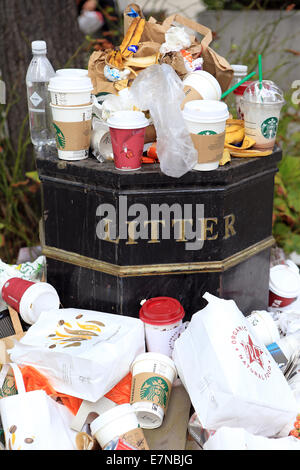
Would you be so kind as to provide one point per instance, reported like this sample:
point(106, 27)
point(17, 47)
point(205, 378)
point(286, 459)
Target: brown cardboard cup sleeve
point(73, 135)
point(190, 95)
point(209, 147)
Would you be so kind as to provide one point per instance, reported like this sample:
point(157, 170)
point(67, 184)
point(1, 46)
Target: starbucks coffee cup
point(284, 285)
point(127, 130)
point(261, 108)
point(206, 122)
point(162, 317)
point(264, 327)
point(73, 127)
point(152, 377)
point(30, 299)
point(119, 422)
point(70, 91)
point(69, 73)
point(200, 85)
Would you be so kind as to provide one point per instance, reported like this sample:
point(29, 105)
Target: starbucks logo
point(269, 128)
point(60, 138)
point(207, 133)
point(155, 389)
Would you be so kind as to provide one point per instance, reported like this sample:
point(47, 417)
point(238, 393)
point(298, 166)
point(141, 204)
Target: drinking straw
point(260, 71)
point(237, 84)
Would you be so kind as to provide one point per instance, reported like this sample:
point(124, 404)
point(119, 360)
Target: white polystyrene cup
point(264, 327)
point(70, 91)
point(114, 423)
point(152, 377)
point(203, 84)
point(206, 117)
point(81, 116)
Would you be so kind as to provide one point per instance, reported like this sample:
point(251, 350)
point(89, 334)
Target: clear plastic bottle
point(38, 75)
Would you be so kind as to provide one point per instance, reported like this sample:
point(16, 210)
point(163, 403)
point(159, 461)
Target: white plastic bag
point(83, 353)
point(31, 420)
point(239, 439)
point(230, 376)
point(158, 89)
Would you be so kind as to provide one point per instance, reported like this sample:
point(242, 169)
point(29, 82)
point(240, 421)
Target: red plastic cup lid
point(240, 90)
point(161, 311)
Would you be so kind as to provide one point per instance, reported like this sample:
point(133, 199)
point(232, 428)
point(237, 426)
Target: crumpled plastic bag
point(159, 90)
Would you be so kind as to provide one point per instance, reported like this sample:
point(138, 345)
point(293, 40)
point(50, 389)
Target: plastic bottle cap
point(39, 46)
point(239, 69)
point(161, 311)
point(206, 111)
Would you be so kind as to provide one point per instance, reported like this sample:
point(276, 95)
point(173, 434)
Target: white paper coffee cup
point(200, 85)
point(73, 126)
point(67, 91)
point(152, 377)
point(206, 122)
point(119, 421)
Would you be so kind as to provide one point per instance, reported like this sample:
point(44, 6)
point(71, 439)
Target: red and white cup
point(162, 317)
point(127, 130)
point(29, 298)
point(284, 285)
point(238, 93)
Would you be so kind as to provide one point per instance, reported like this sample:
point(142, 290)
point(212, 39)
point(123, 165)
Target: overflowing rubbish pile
point(76, 379)
point(160, 97)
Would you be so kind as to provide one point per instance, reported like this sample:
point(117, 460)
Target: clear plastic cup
point(261, 108)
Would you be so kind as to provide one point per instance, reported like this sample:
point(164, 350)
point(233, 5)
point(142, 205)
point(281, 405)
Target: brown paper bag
point(212, 62)
point(8, 342)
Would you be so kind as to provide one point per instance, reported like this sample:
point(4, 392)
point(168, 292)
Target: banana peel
point(141, 62)
point(133, 36)
point(235, 134)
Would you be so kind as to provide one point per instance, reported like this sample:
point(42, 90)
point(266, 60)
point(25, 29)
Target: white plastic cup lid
point(284, 281)
point(127, 120)
point(65, 84)
point(239, 69)
point(39, 46)
point(205, 111)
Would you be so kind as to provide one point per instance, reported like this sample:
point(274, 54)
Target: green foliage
point(19, 191)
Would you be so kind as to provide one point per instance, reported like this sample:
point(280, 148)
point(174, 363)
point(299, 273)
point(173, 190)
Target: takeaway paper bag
point(30, 422)
point(83, 353)
point(239, 439)
point(230, 376)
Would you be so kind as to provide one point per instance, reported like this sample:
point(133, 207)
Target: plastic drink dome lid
point(206, 111)
point(284, 281)
point(127, 120)
point(268, 94)
point(62, 84)
point(239, 69)
point(161, 311)
point(39, 46)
